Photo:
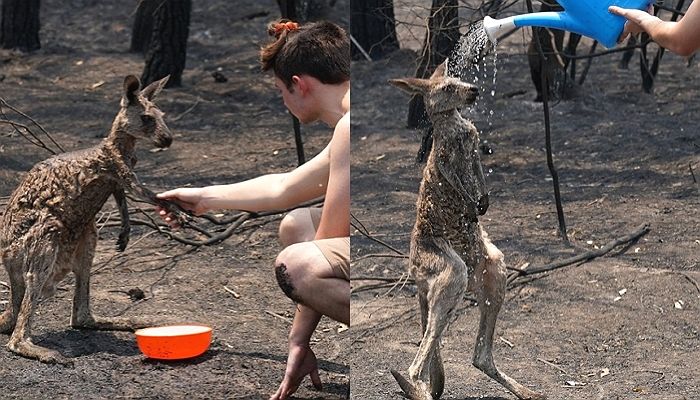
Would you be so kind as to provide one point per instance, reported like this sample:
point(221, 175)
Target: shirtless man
point(311, 65)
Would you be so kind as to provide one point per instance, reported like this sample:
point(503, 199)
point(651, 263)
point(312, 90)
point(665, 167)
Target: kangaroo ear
point(411, 85)
point(131, 90)
point(152, 90)
point(439, 71)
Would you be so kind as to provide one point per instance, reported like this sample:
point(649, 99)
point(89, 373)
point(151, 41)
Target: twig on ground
point(177, 118)
point(4, 284)
point(502, 339)
point(282, 317)
point(689, 278)
point(639, 232)
point(653, 372)
point(379, 255)
point(551, 364)
point(377, 278)
point(233, 293)
point(365, 232)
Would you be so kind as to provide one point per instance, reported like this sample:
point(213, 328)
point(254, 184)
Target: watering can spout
point(557, 20)
point(586, 17)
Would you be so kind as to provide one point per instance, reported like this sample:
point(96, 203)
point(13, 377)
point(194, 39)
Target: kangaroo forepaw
point(122, 242)
point(410, 390)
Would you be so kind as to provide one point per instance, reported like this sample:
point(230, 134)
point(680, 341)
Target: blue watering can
point(586, 17)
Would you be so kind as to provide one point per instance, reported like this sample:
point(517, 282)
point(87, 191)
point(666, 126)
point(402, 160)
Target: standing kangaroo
point(48, 228)
point(450, 252)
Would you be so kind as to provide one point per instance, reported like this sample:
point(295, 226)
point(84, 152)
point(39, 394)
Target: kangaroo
point(450, 252)
point(48, 228)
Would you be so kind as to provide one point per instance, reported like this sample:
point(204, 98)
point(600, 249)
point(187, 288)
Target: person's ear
point(300, 84)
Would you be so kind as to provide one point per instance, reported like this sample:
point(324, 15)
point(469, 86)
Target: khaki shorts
point(336, 250)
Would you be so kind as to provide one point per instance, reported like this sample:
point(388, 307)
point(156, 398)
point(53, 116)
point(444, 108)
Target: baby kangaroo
point(48, 228)
point(450, 252)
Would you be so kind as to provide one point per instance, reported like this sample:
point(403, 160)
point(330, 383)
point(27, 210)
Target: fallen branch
point(360, 227)
point(4, 284)
point(35, 140)
point(589, 255)
point(379, 255)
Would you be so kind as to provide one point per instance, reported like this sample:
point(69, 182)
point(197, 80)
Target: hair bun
point(276, 29)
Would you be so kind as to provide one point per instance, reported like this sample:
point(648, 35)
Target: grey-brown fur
point(450, 252)
point(48, 228)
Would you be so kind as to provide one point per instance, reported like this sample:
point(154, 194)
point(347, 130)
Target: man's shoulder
point(342, 128)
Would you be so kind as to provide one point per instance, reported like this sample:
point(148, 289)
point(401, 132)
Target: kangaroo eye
point(147, 119)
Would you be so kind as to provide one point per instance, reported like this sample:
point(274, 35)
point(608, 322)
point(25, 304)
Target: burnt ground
point(607, 329)
point(223, 132)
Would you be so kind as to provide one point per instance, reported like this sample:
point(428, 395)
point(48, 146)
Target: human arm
point(335, 219)
point(682, 37)
point(301, 360)
point(335, 222)
point(267, 192)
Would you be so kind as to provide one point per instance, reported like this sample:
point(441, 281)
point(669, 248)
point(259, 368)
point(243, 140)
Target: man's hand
point(635, 20)
point(187, 198)
point(301, 361)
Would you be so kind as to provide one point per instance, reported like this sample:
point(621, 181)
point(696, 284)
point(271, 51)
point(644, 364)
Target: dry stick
point(177, 118)
point(589, 255)
point(33, 140)
point(361, 228)
point(548, 137)
point(3, 102)
point(584, 73)
point(551, 364)
point(233, 293)
point(377, 278)
point(689, 278)
point(690, 166)
point(378, 255)
point(4, 284)
point(283, 318)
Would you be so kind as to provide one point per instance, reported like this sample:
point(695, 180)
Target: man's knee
point(296, 227)
point(289, 272)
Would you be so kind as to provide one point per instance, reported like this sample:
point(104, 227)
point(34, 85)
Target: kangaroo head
point(143, 119)
point(441, 92)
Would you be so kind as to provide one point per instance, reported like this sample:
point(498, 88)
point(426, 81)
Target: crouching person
point(311, 66)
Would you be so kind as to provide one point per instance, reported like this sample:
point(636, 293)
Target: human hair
point(319, 49)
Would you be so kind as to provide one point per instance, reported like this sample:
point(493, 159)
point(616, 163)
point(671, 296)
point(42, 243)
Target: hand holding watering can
point(586, 17)
point(634, 19)
point(604, 21)
point(681, 37)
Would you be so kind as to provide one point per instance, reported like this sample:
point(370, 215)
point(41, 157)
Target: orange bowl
point(174, 342)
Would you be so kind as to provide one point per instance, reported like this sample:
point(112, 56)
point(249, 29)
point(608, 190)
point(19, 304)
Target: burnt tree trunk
point(19, 28)
point(143, 26)
point(373, 27)
point(304, 10)
point(168, 45)
point(442, 35)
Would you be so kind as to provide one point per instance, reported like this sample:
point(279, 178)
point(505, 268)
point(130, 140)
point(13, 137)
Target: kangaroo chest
point(449, 193)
